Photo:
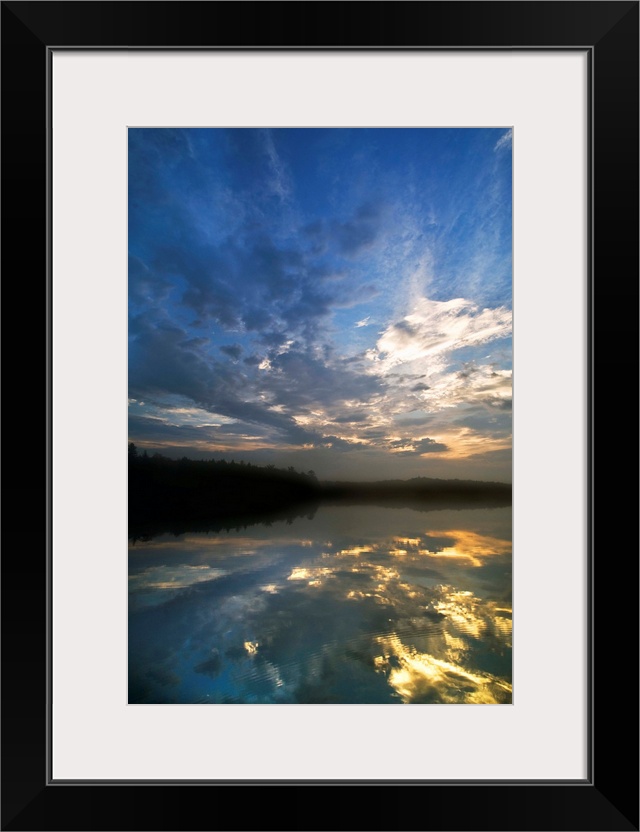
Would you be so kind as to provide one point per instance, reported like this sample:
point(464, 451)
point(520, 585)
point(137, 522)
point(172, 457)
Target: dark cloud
point(341, 444)
point(303, 378)
point(414, 421)
point(160, 365)
point(499, 403)
point(352, 416)
point(419, 387)
point(426, 446)
point(350, 237)
point(234, 351)
point(420, 446)
point(156, 432)
point(194, 343)
point(314, 230)
point(146, 287)
point(316, 234)
point(488, 419)
point(165, 362)
point(360, 232)
point(250, 283)
point(406, 327)
point(374, 433)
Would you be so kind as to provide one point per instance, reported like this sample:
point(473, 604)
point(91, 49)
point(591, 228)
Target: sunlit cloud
point(436, 327)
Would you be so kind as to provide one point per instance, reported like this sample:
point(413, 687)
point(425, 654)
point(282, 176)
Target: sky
point(337, 300)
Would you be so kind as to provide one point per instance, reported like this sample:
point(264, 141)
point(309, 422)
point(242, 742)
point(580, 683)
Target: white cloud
point(504, 141)
point(364, 321)
point(438, 327)
point(469, 386)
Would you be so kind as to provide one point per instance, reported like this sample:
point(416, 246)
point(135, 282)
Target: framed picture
point(559, 81)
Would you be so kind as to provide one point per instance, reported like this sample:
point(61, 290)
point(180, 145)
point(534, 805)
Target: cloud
point(360, 232)
point(290, 398)
point(341, 444)
point(147, 288)
point(308, 379)
point(418, 446)
point(363, 322)
point(474, 385)
point(279, 182)
point(504, 141)
point(161, 367)
point(234, 351)
point(429, 446)
point(437, 327)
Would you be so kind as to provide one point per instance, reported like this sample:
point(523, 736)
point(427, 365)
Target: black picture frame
point(608, 798)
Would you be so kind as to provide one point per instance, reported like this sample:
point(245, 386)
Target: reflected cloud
point(471, 547)
point(472, 615)
point(372, 607)
point(158, 579)
point(420, 677)
point(460, 544)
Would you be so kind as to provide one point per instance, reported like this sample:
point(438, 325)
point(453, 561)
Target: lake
point(351, 604)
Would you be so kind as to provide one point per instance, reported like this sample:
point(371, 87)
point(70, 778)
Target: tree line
point(207, 467)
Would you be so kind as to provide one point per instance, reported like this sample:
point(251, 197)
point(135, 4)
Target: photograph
point(327, 306)
point(320, 415)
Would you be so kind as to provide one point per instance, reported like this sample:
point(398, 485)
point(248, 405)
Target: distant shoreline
point(178, 495)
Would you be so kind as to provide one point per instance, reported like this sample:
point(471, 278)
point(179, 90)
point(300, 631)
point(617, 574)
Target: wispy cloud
point(504, 141)
point(280, 181)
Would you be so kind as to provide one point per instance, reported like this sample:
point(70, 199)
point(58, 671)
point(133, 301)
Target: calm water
point(355, 605)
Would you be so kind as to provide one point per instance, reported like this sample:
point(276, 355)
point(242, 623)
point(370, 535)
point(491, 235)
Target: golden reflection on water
point(468, 546)
point(313, 577)
point(422, 677)
point(421, 610)
point(441, 673)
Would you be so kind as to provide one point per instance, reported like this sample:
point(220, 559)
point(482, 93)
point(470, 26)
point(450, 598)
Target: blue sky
point(334, 299)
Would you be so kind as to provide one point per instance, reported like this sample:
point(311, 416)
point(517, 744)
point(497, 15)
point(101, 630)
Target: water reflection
point(353, 605)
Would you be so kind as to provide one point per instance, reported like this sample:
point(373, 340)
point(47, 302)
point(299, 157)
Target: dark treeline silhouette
point(200, 490)
point(145, 528)
point(179, 495)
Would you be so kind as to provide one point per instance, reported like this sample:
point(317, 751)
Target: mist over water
point(350, 604)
